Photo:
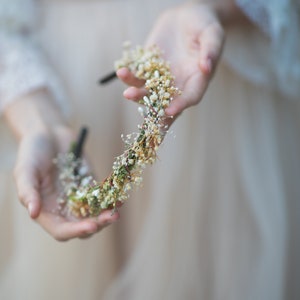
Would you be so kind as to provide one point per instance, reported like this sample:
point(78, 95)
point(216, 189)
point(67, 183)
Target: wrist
point(32, 114)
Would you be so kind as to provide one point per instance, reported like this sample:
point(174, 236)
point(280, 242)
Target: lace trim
point(257, 13)
point(18, 14)
point(23, 69)
point(279, 19)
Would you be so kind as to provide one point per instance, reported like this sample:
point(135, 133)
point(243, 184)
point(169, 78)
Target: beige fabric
point(222, 222)
point(217, 217)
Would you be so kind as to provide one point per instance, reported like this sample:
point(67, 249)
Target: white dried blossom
point(141, 111)
point(82, 194)
point(96, 193)
point(153, 97)
point(146, 100)
point(161, 113)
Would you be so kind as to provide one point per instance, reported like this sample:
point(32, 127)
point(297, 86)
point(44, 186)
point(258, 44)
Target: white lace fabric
point(17, 15)
point(22, 66)
point(280, 20)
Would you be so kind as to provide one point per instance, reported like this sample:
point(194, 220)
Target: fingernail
point(209, 65)
point(206, 66)
point(30, 209)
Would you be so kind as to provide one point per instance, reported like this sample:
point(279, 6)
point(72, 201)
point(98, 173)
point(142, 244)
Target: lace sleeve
point(279, 20)
point(22, 65)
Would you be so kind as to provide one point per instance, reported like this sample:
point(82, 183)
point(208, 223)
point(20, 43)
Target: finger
point(107, 217)
point(211, 44)
point(135, 94)
point(27, 183)
point(71, 230)
point(176, 107)
point(63, 230)
point(127, 77)
point(103, 220)
point(194, 90)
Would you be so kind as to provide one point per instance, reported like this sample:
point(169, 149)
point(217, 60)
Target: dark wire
point(80, 142)
point(107, 78)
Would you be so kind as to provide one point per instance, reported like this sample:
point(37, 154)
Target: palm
point(36, 176)
point(176, 49)
point(182, 38)
point(191, 39)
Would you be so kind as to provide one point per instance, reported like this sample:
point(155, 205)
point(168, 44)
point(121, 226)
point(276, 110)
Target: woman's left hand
point(191, 38)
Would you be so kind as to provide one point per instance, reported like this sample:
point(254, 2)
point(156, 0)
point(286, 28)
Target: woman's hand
point(191, 37)
point(36, 180)
point(42, 135)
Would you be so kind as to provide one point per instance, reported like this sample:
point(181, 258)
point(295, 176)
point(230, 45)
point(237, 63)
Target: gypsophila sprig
point(80, 193)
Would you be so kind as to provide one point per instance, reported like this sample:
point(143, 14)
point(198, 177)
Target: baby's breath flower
point(80, 193)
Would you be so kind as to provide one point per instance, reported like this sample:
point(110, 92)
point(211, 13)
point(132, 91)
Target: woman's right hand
point(42, 135)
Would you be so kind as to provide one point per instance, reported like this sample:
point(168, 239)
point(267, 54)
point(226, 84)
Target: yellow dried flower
point(90, 198)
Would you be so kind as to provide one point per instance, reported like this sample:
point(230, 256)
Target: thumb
point(27, 183)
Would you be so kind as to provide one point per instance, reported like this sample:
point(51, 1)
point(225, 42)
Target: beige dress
point(218, 214)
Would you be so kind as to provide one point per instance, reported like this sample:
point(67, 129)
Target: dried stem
point(81, 194)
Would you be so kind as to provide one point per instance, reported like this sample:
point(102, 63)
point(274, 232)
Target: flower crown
point(81, 194)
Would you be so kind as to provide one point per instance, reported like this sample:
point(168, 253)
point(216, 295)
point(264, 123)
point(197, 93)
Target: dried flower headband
point(81, 195)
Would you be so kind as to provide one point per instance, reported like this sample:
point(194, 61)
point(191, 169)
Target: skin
point(192, 44)
point(41, 137)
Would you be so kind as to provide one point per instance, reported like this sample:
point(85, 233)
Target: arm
point(42, 132)
point(30, 107)
point(35, 130)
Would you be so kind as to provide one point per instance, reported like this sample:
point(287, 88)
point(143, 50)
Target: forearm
point(34, 113)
